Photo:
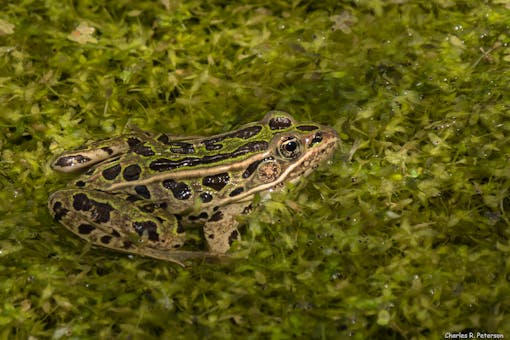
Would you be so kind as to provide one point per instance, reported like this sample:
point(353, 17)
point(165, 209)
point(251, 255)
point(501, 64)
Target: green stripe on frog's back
point(200, 156)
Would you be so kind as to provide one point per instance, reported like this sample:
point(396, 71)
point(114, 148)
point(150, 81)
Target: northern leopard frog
point(141, 191)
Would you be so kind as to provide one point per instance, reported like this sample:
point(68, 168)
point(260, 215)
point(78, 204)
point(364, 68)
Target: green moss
point(404, 235)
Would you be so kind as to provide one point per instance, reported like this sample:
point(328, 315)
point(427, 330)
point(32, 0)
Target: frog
point(140, 192)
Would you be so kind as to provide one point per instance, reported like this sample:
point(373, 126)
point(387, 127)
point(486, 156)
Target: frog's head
point(294, 150)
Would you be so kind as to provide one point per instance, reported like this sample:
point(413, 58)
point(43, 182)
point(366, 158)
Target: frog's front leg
point(110, 221)
point(221, 229)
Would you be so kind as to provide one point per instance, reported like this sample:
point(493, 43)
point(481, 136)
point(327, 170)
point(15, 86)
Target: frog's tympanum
point(140, 192)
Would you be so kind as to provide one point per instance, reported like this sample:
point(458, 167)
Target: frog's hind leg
point(110, 221)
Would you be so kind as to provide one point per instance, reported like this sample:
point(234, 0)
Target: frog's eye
point(290, 148)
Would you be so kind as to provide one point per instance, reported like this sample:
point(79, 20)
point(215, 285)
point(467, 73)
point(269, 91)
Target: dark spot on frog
point(108, 150)
point(143, 191)
point(115, 233)
point(127, 244)
point(317, 138)
point(248, 209)
point(81, 202)
point(216, 182)
point(72, 160)
point(133, 198)
point(163, 205)
point(278, 123)
point(163, 139)
point(105, 239)
point(59, 210)
point(111, 172)
point(180, 190)
point(132, 172)
point(206, 197)
point(86, 229)
point(202, 215)
point(99, 212)
point(177, 147)
point(132, 142)
point(180, 228)
point(136, 146)
point(148, 227)
point(236, 192)
point(233, 237)
point(307, 127)
point(217, 216)
point(80, 184)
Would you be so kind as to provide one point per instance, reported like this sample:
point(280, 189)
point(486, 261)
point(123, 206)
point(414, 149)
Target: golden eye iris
point(290, 148)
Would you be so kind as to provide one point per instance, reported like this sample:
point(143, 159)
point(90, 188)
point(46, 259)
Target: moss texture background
point(404, 235)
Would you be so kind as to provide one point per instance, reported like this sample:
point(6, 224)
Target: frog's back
point(215, 170)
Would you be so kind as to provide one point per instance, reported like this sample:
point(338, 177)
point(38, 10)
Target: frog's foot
point(110, 221)
point(219, 232)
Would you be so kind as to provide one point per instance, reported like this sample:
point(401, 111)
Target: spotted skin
point(135, 231)
point(140, 192)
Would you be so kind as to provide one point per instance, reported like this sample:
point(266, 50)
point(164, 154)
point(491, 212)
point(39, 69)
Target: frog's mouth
point(312, 159)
